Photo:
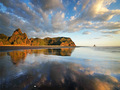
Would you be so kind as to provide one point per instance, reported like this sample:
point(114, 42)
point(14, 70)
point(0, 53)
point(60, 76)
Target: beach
point(66, 68)
point(19, 47)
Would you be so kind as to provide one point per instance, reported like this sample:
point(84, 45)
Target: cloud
point(53, 16)
point(72, 18)
point(41, 34)
point(111, 32)
point(97, 10)
point(78, 2)
point(58, 22)
point(108, 36)
point(19, 15)
point(75, 8)
point(108, 25)
point(48, 4)
point(102, 25)
point(84, 3)
point(63, 15)
point(4, 19)
point(86, 32)
point(67, 75)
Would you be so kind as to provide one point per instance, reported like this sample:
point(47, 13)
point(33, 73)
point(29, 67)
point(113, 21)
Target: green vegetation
point(37, 41)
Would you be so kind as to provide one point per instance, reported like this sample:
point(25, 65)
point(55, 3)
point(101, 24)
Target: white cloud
point(86, 32)
point(75, 8)
point(78, 3)
point(44, 15)
point(58, 22)
point(84, 3)
point(51, 12)
point(112, 32)
point(109, 36)
point(63, 15)
point(72, 18)
point(97, 10)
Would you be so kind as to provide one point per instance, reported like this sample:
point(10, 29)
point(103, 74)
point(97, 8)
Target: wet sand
point(5, 48)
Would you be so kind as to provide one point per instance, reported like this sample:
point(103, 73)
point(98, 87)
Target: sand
point(4, 48)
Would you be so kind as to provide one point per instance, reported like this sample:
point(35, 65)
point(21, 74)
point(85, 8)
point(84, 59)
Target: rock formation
point(62, 41)
point(4, 40)
point(19, 38)
point(37, 42)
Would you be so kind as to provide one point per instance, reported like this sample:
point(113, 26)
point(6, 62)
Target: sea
point(79, 68)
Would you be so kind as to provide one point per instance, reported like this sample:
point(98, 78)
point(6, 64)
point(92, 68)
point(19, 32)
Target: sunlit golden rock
point(19, 38)
point(4, 40)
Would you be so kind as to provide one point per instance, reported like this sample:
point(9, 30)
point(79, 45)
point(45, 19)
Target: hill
point(19, 38)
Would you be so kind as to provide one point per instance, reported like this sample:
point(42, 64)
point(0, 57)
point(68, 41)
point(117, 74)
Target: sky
point(86, 22)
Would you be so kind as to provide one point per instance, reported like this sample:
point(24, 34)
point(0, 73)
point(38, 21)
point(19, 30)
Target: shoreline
point(18, 47)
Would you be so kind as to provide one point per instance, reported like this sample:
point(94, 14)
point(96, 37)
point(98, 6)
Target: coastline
point(20, 47)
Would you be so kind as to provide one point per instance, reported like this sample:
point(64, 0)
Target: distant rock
point(19, 38)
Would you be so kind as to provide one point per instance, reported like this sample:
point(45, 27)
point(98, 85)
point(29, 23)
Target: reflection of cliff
point(3, 54)
point(60, 52)
point(18, 56)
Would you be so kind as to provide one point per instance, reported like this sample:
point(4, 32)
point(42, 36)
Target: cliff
point(4, 40)
point(37, 42)
point(62, 41)
point(19, 38)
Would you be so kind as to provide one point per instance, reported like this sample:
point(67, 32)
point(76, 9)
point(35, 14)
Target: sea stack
point(94, 45)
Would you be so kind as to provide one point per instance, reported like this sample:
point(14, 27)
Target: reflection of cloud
point(62, 76)
point(71, 77)
point(3, 54)
point(88, 60)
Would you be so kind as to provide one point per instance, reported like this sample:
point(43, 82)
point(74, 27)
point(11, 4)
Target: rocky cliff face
point(19, 38)
point(37, 42)
point(62, 41)
point(4, 40)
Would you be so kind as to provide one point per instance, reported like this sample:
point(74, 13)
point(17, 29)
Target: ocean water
point(80, 68)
